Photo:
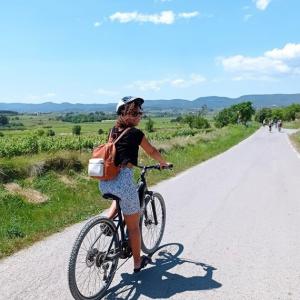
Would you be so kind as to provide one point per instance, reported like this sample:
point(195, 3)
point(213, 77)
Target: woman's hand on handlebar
point(165, 165)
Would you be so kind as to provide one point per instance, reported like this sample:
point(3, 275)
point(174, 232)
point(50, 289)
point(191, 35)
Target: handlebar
point(156, 167)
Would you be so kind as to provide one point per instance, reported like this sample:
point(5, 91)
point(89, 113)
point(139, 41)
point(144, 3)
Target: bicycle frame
point(143, 192)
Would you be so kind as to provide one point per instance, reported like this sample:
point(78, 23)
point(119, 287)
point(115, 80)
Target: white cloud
point(49, 95)
point(193, 79)
point(262, 4)
point(188, 15)
point(259, 64)
point(165, 17)
point(273, 63)
point(104, 92)
point(247, 17)
point(157, 85)
point(289, 51)
point(97, 24)
point(143, 85)
point(41, 97)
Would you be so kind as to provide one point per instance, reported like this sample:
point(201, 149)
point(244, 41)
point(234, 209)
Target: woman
point(129, 111)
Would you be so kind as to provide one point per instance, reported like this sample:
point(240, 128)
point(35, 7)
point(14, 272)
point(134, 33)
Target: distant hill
point(212, 102)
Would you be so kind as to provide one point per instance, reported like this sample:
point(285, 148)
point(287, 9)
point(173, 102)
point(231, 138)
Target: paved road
point(233, 232)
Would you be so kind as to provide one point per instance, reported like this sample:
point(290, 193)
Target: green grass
point(292, 125)
point(23, 223)
point(296, 140)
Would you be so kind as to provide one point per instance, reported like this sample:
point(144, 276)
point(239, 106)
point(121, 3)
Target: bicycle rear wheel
point(90, 272)
point(152, 223)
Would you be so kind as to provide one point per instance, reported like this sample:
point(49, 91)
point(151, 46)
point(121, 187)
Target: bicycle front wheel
point(152, 223)
point(90, 268)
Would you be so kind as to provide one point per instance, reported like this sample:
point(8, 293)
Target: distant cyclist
point(279, 124)
point(129, 111)
point(270, 124)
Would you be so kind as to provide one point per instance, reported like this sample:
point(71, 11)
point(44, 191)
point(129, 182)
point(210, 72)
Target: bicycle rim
point(152, 223)
point(90, 274)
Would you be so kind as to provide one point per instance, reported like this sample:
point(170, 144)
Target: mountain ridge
point(212, 102)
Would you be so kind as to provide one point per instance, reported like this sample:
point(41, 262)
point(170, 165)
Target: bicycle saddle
point(110, 196)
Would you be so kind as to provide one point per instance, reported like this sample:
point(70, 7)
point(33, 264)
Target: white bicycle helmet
point(126, 100)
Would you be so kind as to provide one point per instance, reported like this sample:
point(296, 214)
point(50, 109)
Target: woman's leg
point(112, 211)
point(132, 222)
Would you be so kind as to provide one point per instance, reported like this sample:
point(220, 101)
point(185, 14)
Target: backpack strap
point(118, 138)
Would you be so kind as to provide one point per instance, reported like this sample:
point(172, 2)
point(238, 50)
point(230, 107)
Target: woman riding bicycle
point(129, 111)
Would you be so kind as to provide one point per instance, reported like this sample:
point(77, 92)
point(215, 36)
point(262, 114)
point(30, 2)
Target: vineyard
point(33, 144)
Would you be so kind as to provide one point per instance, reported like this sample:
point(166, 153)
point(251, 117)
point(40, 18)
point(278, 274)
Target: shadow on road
point(157, 282)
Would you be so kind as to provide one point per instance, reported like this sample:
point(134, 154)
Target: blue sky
point(96, 51)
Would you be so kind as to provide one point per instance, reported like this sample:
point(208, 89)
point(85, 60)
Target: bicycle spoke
point(90, 273)
point(152, 228)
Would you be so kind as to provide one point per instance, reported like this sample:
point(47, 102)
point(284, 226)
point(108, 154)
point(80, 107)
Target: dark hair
point(127, 112)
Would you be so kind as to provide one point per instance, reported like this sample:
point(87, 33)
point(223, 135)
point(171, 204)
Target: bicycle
point(101, 243)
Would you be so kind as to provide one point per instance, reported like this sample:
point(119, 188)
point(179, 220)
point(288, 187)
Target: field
point(46, 188)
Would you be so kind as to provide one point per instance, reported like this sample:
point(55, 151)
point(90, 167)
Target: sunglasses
point(135, 114)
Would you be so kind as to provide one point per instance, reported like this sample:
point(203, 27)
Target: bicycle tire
point(91, 259)
point(151, 233)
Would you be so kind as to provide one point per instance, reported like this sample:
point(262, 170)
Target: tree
point(150, 125)
point(290, 112)
point(76, 129)
point(263, 114)
point(244, 111)
point(225, 117)
point(277, 113)
point(3, 120)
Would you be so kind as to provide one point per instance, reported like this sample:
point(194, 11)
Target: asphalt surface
point(233, 232)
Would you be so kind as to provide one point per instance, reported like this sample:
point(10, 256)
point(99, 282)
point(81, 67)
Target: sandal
point(144, 262)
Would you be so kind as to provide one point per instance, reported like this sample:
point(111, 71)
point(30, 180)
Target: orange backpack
point(102, 165)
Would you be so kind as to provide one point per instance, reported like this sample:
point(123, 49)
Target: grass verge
point(23, 223)
point(295, 138)
point(292, 125)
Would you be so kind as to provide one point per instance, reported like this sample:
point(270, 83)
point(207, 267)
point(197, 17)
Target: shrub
point(40, 132)
point(200, 123)
point(100, 131)
point(3, 120)
point(8, 173)
point(61, 164)
point(50, 132)
point(76, 130)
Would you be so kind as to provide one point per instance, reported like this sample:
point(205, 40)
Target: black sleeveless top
point(128, 146)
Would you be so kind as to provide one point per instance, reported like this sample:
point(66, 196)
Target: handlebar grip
point(170, 166)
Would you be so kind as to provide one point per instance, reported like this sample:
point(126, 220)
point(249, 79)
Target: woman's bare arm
point(153, 152)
